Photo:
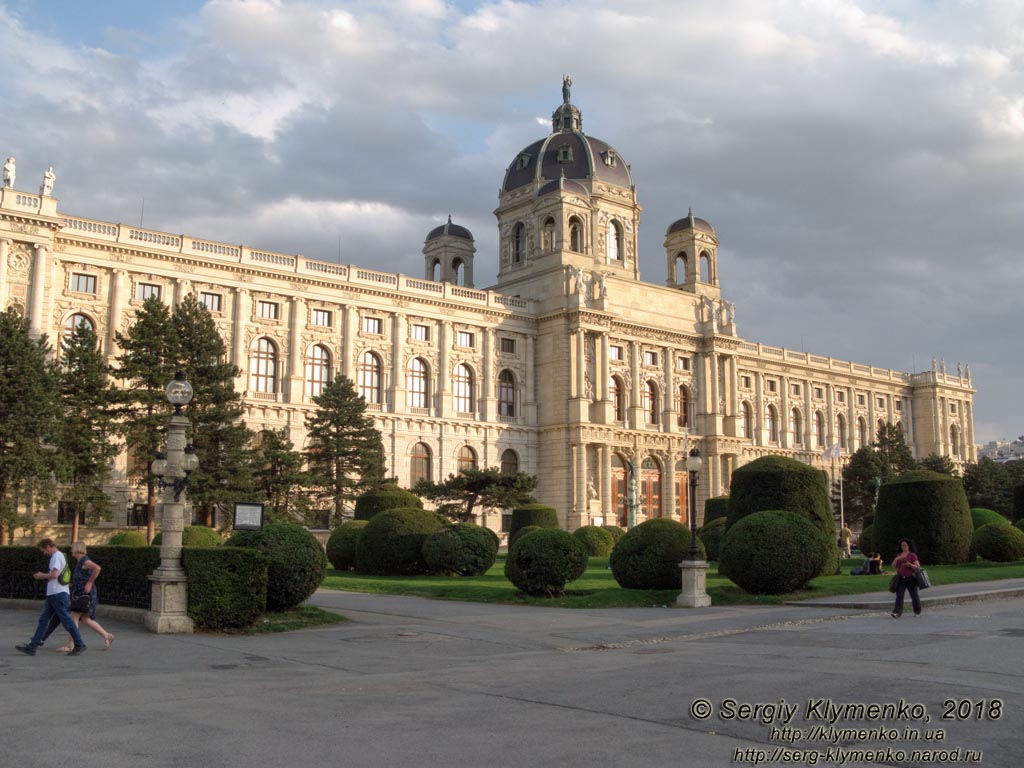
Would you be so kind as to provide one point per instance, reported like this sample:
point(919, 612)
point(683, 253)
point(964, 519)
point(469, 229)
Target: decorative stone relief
point(19, 258)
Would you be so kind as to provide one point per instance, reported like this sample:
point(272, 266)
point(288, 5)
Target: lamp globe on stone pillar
point(693, 467)
point(694, 569)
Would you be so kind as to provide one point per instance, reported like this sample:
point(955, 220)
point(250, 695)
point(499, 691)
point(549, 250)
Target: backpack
point(65, 576)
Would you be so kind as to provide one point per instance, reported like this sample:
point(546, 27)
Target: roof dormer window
point(522, 161)
point(609, 157)
point(565, 154)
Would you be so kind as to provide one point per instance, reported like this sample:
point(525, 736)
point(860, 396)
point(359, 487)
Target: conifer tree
point(345, 454)
point(280, 479)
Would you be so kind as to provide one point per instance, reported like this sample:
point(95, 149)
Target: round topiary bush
point(648, 556)
point(999, 542)
point(865, 542)
point(296, 562)
point(128, 539)
point(779, 482)
point(543, 561)
point(616, 532)
point(533, 514)
point(597, 540)
point(710, 535)
point(341, 546)
point(773, 552)
point(514, 537)
point(716, 507)
point(980, 517)
point(391, 544)
point(463, 549)
point(387, 496)
point(194, 536)
point(928, 507)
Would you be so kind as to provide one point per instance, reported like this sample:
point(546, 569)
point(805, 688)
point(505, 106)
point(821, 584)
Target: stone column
point(605, 484)
point(488, 401)
point(581, 502)
point(669, 418)
point(348, 342)
point(35, 310)
point(443, 395)
point(785, 439)
point(296, 353)
point(114, 311)
point(636, 416)
point(181, 288)
point(810, 443)
point(760, 411)
point(398, 337)
point(579, 385)
point(603, 368)
point(239, 354)
point(530, 401)
point(5, 248)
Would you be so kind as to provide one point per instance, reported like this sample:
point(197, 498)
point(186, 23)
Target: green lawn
point(597, 589)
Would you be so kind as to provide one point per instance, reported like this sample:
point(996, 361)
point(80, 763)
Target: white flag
point(833, 451)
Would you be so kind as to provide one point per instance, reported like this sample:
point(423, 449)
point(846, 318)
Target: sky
point(860, 161)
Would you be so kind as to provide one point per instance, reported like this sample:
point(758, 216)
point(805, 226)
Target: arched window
point(841, 430)
point(509, 462)
point(681, 262)
point(954, 440)
point(705, 267)
point(618, 394)
point(519, 243)
point(462, 388)
point(683, 406)
point(819, 429)
point(318, 369)
point(650, 402)
point(506, 394)
point(649, 487)
point(459, 272)
point(575, 235)
point(435, 271)
point(794, 427)
point(263, 366)
point(747, 425)
point(77, 320)
point(417, 384)
point(548, 235)
point(467, 459)
point(614, 241)
point(862, 432)
point(773, 424)
point(369, 371)
point(419, 463)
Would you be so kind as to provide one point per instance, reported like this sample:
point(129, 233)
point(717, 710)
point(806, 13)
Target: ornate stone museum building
point(570, 367)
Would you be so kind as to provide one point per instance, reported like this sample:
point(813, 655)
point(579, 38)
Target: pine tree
point(460, 494)
point(345, 454)
point(87, 443)
point(30, 408)
point(279, 478)
point(870, 466)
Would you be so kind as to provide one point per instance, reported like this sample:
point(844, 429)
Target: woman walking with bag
point(84, 597)
point(906, 565)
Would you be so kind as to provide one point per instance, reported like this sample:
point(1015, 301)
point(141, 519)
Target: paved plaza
point(413, 682)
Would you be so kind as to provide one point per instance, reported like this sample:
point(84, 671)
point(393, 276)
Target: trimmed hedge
point(648, 556)
point(296, 562)
point(462, 549)
point(928, 507)
point(227, 586)
point(341, 546)
point(999, 542)
point(980, 517)
point(391, 544)
point(779, 482)
point(716, 507)
point(387, 496)
point(616, 532)
point(597, 540)
point(533, 514)
point(866, 541)
point(773, 552)
point(710, 535)
point(128, 539)
point(514, 537)
point(194, 536)
point(542, 562)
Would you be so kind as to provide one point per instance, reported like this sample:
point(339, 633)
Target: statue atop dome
point(566, 85)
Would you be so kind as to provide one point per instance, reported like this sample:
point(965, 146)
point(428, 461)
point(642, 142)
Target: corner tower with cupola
point(448, 254)
point(691, 247)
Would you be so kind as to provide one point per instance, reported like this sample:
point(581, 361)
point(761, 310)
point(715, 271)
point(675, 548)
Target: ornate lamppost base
point(694, 594)
point(170, 601)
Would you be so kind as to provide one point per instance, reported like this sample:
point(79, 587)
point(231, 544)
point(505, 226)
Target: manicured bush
point(391, 544)
point(773, 552)
point(533, 514)
point(980, 517)
point(999, 542)
point(387, 496)
point(648, 556)
point(616, 532)
point(716, 507)
point(514, 537)
point(128, 539)
point(928, 507)
point(543, 561)
point(710, 535)
point(462, 549)
point(779, 482)
point(194, 536)
point(341, 546)
point(227, 586)
point(296, 562)
point(597, 540)
point(865, 542)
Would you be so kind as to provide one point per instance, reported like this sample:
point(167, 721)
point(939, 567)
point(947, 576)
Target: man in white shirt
point(58, 600)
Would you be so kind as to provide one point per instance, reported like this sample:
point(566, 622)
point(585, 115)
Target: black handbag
point(921, 577)
point(81, 603)
point(893, 582)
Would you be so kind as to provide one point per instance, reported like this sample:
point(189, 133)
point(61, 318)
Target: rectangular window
point(421, 333)
point(464, 339)
point(819, 393)
point(145, 291)
point(322, 317)
point(268, 310)
point(650, 358)
point(508, 346)
point(796, 390)
point(952, 408)
point(773, 386)
point(841, 396)
point(899, 405)
point(83, 283)
point(745, 382)
point(373, 325)
point(212, 301)
point(615, 352)
point(683, 364)
point(880, 402)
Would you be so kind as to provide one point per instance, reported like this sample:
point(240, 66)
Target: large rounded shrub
point(648, 556)
point(533, 514)
point(463, 549)
point(543, 561)
point(866, 541)
point(391, 544)
point(341, 546)
point(514, 537)
point(980, 517)
point(710, 535)
point(128, 539)
point(999, 542)
point(387, 496)
point(597, 540)
point(716, 507)
point(928, 507)
point(194, 536)
point(296, 562)
point(616, 531)
point(773, 552)
point(779, 482)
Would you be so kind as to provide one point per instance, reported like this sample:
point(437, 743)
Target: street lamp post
point(694, 569)
point(169, 610)
point(693, 465)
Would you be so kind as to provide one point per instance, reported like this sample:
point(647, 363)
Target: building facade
point(570, 367)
